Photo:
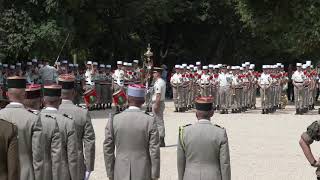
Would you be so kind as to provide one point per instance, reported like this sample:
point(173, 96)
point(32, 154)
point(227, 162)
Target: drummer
point(118, 82)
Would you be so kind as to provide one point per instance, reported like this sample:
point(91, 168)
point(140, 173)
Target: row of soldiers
point(56, 142)
point(99, 77)
point(233, 87)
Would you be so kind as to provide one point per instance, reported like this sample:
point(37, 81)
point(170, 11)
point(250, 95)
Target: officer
point(298, 79)
point(158, 105)
point(203, 147)
point(69, 153)
point(48, 74)
point(307, 138)
point(83, 125)
point(138, 159)
point(29, 130)
point(33, 100)
point(9, 158)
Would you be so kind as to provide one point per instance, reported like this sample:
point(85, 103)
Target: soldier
point(79, 84)
point(203, 150)
point(298, 80)
point(9, 158)
point(264, 83)
point(69, 153)
point(106, 87)
point(48, 74)
point(158, 105)
point(97, 78)
point(176, 83)
point(138, 159)
point(236, 86)
point(204, 82)
point(307, 138)
point(32, 100)
point(118, 82)
point(224, 88)
point(29, 130)
point(84, 129)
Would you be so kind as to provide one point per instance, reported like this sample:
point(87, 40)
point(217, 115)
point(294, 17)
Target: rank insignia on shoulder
point(187, 125)
point(33, 112)
point(147, 113)
point(49, 116)
point(67, 116)
point(83, 107)
point(219, 126)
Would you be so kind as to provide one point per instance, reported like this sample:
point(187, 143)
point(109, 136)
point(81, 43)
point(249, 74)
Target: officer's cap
point(125, 63)
point(52, 90)
point(33, 91)
point(16, 82)
point(308, 63)
point(204, 103)
point(137, 90)
point(157, 69)
point(191, 66)
point(211, 66)
point(66, 81)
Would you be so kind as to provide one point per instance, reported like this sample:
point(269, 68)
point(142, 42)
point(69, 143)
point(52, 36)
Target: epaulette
point(49, 116)
point(219, 126)
point(67, 116)
point(149, 114)
point(33, 112)
point(83, 107)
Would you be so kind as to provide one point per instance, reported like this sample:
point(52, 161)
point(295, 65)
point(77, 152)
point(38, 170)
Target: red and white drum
point(90, 97)
point(119, 98)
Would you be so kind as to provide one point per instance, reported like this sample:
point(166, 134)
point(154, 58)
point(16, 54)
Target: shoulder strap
point(181, 133)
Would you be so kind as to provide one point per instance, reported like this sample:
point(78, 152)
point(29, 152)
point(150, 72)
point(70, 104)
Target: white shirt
point(235, 80)
point(265, 79)
point(159, 88)
point(205, 79)
point(88, 76)
point(298, 77)
point(16, 103)
point(51, 109)
point(223, 79)
point(134, 108)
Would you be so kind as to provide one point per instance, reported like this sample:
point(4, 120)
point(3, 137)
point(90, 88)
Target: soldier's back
point(29, 129)
point(202, 146)
point(9, 159)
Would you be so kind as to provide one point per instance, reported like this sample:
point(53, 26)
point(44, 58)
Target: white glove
point(87, 175)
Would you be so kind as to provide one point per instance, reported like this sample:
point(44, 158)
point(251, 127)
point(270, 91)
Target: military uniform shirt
point(159, 87)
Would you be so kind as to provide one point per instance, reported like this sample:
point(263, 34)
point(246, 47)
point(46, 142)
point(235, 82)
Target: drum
point(90, 97)
point(119, 98)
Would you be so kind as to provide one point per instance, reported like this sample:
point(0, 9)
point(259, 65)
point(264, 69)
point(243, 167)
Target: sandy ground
point(262, 147)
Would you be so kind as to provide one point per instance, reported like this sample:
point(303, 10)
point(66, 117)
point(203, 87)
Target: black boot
point(267, 111)
point(301, 111)
point(263, 111)
point(226, 111)
point(162, 143)
point(176, 110)
point(297, 111)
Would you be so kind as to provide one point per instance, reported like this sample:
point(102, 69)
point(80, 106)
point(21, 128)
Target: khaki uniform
point(29, 132)
point(176, 84)
point(9, 158)
point(298, 79)
point(134, 160)
point(85, 134)
point(203, 152)
point(312, 134)
point(224, 90)
point(51, 142)
point(69, 156)
point(159, 88)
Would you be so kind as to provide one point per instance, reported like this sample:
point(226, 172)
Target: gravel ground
point(262, 147)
